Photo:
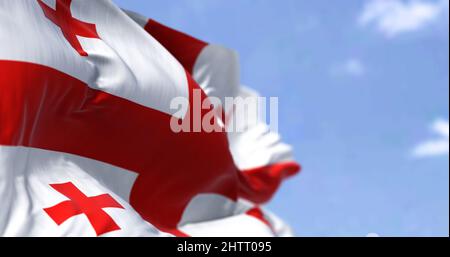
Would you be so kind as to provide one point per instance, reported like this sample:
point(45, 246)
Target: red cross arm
point(84, 29)
point(106, 201)
point(62, 211)
point(70, 191)
point(101, 221)
point(49, 12)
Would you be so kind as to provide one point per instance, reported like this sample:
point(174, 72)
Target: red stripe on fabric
point(258, 214)
point(263, 182)
point(183, 47)
point(260, 183)
point(47, 109)
point(43, 108)
point(178, 233)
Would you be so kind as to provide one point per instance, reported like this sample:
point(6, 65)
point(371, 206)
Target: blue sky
point(364, 100)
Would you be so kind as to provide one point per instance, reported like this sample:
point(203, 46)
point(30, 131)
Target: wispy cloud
point(353, 67)
point(393, 17)
point(438, 146)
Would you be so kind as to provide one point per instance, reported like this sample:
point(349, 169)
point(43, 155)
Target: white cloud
point(393, 17)
point(353, 67)
point(438, 146)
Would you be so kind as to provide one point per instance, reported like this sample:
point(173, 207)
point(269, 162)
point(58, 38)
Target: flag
point(86, 147)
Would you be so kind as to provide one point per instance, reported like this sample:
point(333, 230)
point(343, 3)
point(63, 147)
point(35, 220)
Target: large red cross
point(70, 27)
point(79, 203)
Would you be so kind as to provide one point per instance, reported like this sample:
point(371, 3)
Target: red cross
point(70, 27)
point(79, 203)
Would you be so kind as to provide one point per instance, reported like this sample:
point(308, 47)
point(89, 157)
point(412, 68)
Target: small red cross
point(70, 27)
point(79, 203)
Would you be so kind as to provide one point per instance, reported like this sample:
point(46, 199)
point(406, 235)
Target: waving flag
point(86, 147)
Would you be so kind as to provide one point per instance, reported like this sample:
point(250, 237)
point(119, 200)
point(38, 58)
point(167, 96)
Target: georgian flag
point(86, 147)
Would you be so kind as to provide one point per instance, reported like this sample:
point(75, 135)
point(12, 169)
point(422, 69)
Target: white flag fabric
point(86, 147)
